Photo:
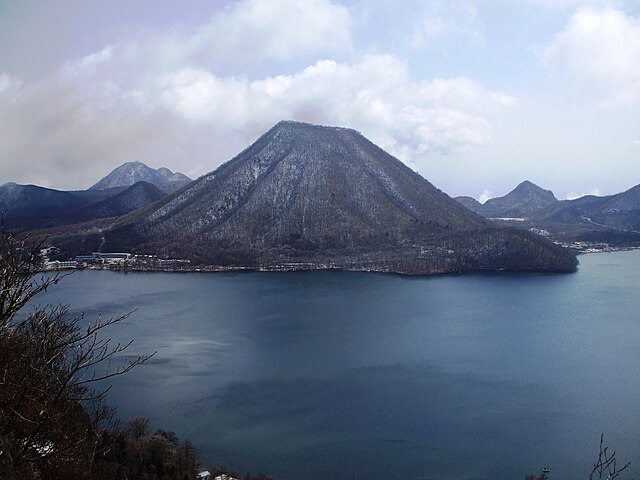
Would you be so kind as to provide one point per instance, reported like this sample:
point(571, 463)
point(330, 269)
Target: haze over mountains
point(320, 197)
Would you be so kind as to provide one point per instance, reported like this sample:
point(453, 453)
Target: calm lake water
point(369, 376)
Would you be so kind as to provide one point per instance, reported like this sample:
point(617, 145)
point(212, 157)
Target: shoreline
point(184, 266)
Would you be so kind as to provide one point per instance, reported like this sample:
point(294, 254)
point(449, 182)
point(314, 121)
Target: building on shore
point(58, 265)
point(106, 258)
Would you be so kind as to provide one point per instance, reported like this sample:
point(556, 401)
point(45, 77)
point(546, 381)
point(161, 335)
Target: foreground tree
point(136, 454)
point(52, 410)
point(606, 466)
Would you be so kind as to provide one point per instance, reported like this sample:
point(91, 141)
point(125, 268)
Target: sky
point(476, 96)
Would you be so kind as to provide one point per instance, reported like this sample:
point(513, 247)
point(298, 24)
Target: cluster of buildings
point(111, 260)
point(99, 258)
point(83, 261)
point(590, 247)
point(206, 475)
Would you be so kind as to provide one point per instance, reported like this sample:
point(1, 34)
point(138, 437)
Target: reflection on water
point(316, 375)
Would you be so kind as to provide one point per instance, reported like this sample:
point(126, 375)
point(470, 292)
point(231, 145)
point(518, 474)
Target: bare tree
point(52, 366)
point(188, 460)
point(606, 466)
point(20, 263)
point(138, 427)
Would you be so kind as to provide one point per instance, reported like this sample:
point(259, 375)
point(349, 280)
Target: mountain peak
point(326, 197)
point(528, 185)
point(529, 188)
point(295, 125)
point(130, 173)
point(523, 201)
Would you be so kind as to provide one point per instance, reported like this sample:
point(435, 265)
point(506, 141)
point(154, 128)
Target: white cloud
point(92, 115)
point(201, 97)
point(243, 34)
point(9, 86)
point(157, 100)
point(446, 21)
point(486, 195)
point(602, 46)
point(5, 82)
point(93, 59)
point(574, 195)
point(570, 4)
point(375, 95)
point(273, 29)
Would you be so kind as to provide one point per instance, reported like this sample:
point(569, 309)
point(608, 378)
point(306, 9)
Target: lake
point(316, 375)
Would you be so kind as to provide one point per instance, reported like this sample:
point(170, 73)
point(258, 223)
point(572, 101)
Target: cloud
point(375, 95)
point(8, 84)
point(574, 195)
point(253, 32)
point(486, 195)
point(191, 116)
point(154, 100)
point(281, 29)
point(570, 4)
point(603, 46)
point(5, 82)
point(448, 21)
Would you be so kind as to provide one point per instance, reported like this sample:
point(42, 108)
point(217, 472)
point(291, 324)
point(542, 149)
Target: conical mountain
point(307, 196)
point(526, 200)
point(313, 184)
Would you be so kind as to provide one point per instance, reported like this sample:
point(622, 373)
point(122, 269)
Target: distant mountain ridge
point(308, 196)
point(619, 211)
point(24, 206)
point(613, 219)
point(130, 173)
point(524, 201)
point(27, 207)
point(138, 195)
point(34, 207)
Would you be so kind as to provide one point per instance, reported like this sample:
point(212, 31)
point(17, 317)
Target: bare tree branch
point(52, 367)
point(606, 466)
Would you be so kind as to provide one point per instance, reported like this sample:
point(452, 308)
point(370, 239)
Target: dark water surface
point(355, 375)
